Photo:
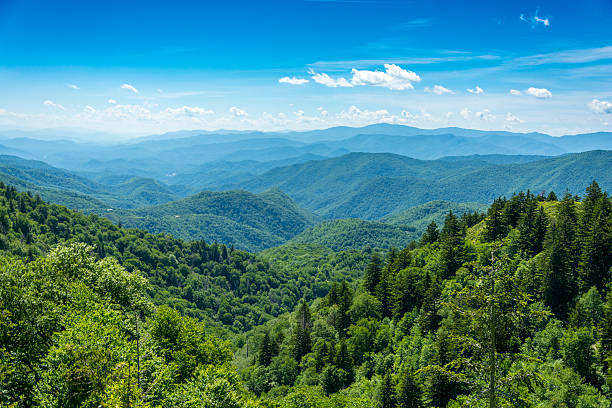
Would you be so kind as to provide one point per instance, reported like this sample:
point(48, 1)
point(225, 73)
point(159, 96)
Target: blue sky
point(133, 67)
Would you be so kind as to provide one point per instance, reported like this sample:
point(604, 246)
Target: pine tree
point(344, 302)
point(302, 340)
point(384, 293)
point(452, 250)
point(265, 350)
point(596, 242)
point(386, 393)
point(560, 283)
point(372, 273)
point(344, 362)
point(431, 234)
point(408, 391)
point(496, 224)
point(429, 318)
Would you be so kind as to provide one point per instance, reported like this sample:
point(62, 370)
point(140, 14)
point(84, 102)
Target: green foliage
point(341, 235)
point(444, 324)
point(248, 221)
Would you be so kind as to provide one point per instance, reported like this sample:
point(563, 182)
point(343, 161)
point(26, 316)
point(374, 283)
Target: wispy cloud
point(515, 92)
point(112, 101)
point(73, 86)
point(535, 20)
point(416, 23)
point(476, 91)
point(567, 57)
point(293, 81)
point(129, 88)
point(438, 90)
point(53, 104)
point(404, 61)
point(601, 107)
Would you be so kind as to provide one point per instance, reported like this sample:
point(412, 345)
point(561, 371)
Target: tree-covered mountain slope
point(61, 186)
point(223, 286)
point(515, 310)
point(420, 216)
point(370, 186)
point(357, 234)
point(240, 218)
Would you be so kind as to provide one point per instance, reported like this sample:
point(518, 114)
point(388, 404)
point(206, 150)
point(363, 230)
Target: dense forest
point(515, 310)
point(511, 308)
point(225, 287)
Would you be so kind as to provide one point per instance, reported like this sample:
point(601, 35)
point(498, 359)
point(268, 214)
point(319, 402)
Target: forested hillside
point(225, 287)
point(357, 234)
point(240, 218)
point(420, 216)
point(79, 192)
point(370, 186)
point(515, 310)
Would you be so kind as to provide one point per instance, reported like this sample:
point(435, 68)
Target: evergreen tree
point(428, 317)
point(265, 350)
point(408, 391)
point(452, 249)
point(384, 293)
point(596, 242)
point(431, 234)
point(372, 273)
point(496, 224)
point(551, 196)
point(560, 283)
point(302, 340)
point(386, 393)
point(344, 362)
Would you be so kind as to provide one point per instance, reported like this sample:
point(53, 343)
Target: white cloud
point(465, 113)
point(513, 119)
point(540, 93)
point(438, 90)
point(73, 86)
point(188, 111)
point(112, 101)
point(356, 115)
point(53, 104)
point(238, 112)
point(129, 88)
point(322, 111)
point(600, 107)
point(477, 91)
point(293, 81)
point(485, 115)
point(515, 92)
point(326, 80)
point(393, 77)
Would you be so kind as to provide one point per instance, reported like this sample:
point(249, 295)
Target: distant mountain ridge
point(372, 185)
point(185, 152)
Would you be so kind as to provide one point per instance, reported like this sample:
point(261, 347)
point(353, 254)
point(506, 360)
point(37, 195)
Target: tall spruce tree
point(372, 273)
point(302, 334)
